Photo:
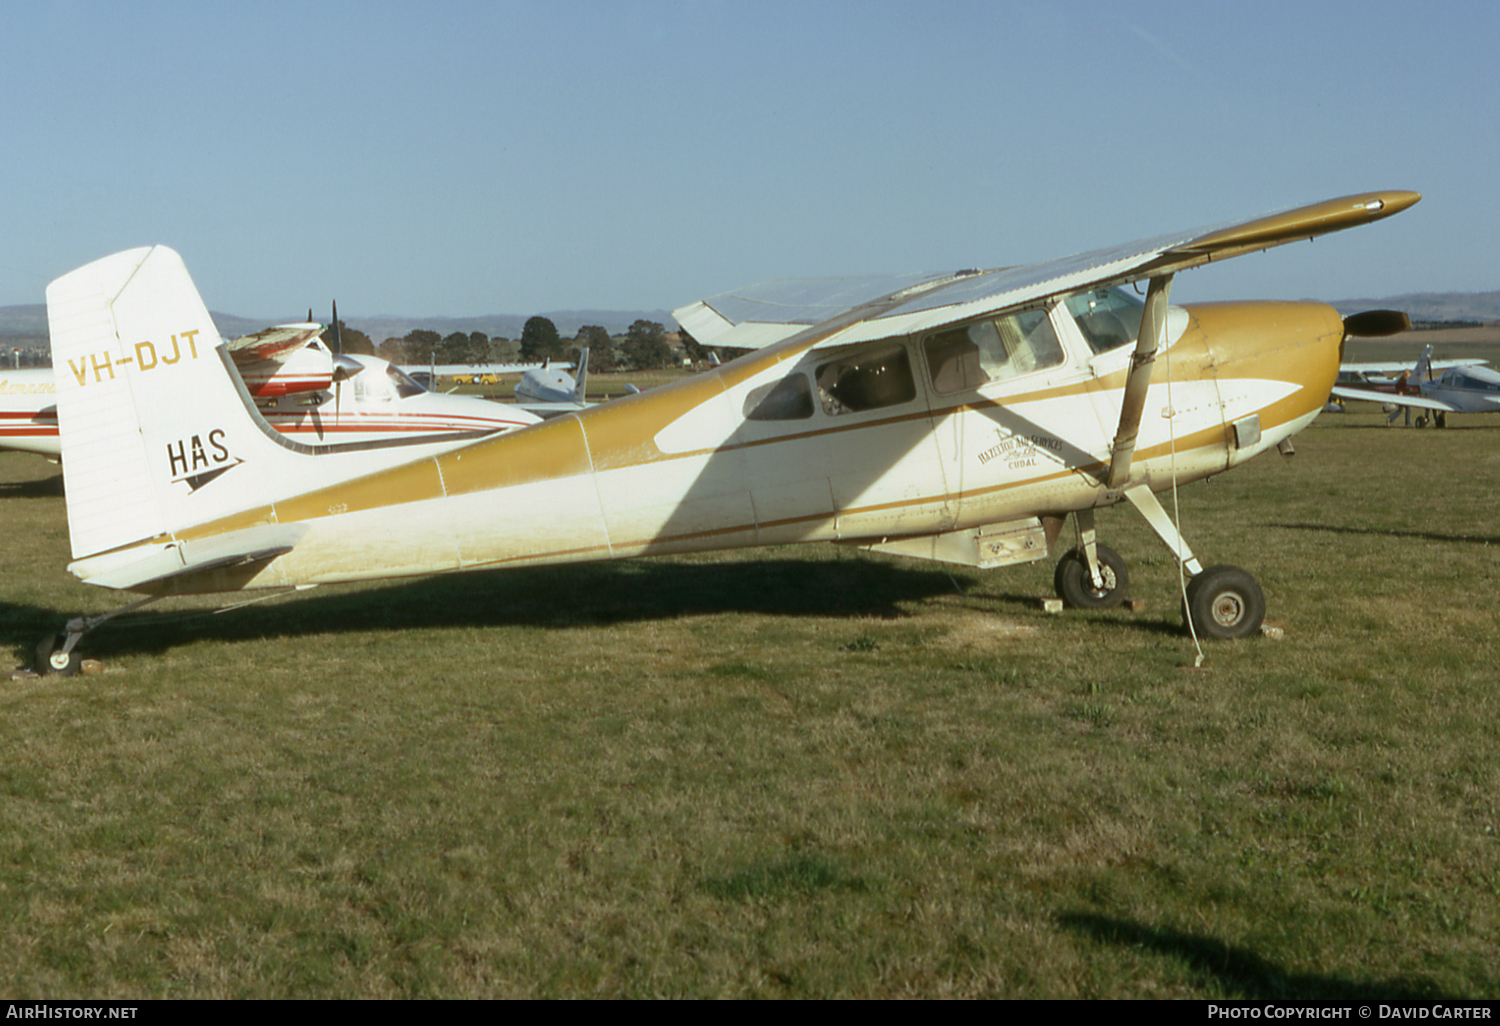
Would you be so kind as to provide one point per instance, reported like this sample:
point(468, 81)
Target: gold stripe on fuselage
point(1222, 341)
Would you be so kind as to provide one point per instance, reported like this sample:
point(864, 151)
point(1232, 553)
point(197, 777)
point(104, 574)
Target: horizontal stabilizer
point(150, 568)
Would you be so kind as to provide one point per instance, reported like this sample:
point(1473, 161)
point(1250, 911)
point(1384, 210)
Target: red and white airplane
point(335, 402)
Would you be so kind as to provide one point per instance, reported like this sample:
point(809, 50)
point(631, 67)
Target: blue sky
point(462, 158)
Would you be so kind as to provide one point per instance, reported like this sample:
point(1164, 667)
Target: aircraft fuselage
point(882, 440)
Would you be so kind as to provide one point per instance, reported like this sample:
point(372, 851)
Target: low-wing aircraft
point(325, 399)
point(1461, 387)
point(550, 391)
point(959, 417)
point(28, 411)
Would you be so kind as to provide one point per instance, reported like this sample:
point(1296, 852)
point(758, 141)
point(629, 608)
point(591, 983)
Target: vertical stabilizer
point(1422, 371)
point(581, 388)
point(111, 495)
point(155, 426)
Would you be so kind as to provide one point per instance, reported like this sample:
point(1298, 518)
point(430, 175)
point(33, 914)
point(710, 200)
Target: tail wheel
point(53, 661)
point(1225, 602)
point(1075, 585)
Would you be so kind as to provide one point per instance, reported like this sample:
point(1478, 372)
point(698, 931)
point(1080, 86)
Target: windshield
point(404, 385)
point(1108, 318)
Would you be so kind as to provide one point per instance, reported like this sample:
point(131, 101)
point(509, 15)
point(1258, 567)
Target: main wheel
point(1225, 602)
point(52, 660)
point(1075, 585)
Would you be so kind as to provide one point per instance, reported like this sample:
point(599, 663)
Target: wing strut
point(1133, 403)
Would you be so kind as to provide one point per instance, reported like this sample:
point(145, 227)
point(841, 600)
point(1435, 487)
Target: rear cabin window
point(868, 379)
point(991, 350)
point(787, 399)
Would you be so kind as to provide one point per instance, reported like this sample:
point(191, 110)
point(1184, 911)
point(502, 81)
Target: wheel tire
point(1225, 602)
point(1075, 586)
point(53, 662)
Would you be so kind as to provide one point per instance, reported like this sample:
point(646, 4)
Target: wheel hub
point(1227, 609)
point(1107, 577)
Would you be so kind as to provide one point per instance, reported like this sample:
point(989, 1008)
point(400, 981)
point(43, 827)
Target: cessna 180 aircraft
point(957, 416)
point(305, 392)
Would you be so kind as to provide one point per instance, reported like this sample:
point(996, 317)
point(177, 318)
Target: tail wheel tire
point(1225, 602)
point(1075, 585)
point(53, 661)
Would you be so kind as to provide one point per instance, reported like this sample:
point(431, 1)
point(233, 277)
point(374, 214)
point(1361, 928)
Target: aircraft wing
point(1397, 368)
point(275, 343)
point(277, 361)
point(1371, 395)
point(880, 307)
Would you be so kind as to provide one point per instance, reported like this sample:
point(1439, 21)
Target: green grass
point(799, 772)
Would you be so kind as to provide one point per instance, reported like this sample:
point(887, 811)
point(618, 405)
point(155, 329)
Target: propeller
point(343, 366)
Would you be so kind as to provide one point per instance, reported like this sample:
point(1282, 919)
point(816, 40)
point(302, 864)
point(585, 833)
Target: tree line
point(646, 345)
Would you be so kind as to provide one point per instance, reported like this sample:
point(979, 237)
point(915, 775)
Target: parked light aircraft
point(958, 417)
point(472, 373)
point(28, 411)
point(549, 391)
point(314, 397)
point(1462, 387)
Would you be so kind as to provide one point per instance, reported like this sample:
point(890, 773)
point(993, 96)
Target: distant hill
point(1432, 306)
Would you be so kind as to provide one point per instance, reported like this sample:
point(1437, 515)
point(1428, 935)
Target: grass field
point(800, 772)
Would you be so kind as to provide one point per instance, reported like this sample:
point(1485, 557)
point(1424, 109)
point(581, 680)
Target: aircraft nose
point(1295, 343)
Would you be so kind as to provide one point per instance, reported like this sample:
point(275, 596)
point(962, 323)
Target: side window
point(1108, 318)
point(991, 350)
point(787, 399)
point(867, 379)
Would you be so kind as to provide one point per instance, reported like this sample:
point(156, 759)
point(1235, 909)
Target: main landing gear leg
point(1222, 601)
point(1092, 576)
point(56, 654)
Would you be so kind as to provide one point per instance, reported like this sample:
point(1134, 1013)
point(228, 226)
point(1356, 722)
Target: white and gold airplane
point(958, 417)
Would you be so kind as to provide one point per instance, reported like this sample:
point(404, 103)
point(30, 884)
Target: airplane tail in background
point(580, 390)
point(1422, 371)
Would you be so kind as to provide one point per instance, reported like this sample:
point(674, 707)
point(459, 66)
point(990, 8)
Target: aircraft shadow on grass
point(41, 488)
point(1386, 427)
point(1469, 539)
point(1240, 971)
point(558, 597)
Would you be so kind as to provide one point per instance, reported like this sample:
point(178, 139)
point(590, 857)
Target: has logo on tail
point(195, 464)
